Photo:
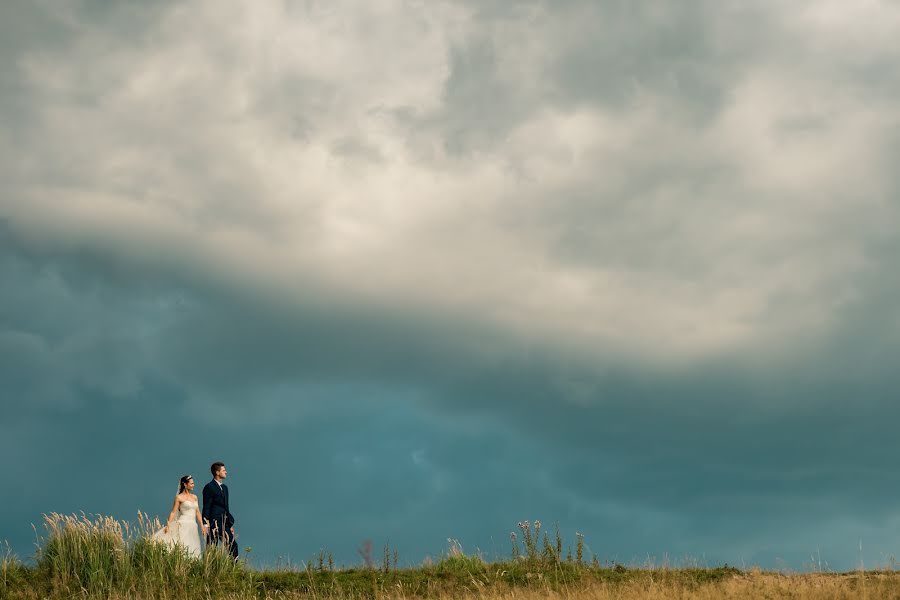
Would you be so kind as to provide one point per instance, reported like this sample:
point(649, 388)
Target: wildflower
point(519, 525)
point(537, 524)
point(526, 524)
point(513, 536)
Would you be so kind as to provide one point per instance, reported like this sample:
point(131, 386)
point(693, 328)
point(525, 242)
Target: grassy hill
point(104, 558)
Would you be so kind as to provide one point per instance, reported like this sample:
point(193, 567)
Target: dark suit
point(220, 519)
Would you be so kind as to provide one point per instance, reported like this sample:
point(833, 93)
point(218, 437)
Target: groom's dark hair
point(214, 468)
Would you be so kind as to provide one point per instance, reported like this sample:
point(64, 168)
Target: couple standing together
point(215, 519)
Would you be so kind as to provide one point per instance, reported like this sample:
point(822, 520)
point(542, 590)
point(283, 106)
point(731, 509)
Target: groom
point(215, 511)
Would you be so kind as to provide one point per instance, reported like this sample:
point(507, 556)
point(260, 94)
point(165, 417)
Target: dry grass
point(746, 586)
point(739, 587)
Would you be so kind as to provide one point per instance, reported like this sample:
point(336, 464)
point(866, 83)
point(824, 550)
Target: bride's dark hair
point(182, 483)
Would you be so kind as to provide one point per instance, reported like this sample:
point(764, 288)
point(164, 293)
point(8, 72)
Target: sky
point(422, 270)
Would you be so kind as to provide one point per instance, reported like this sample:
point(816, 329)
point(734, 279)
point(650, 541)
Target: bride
point(182, 531)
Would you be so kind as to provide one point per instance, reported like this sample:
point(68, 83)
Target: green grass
point(13, 574)
point(100, 557)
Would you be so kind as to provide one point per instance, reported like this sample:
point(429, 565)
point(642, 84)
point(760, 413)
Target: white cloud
point(286, 149)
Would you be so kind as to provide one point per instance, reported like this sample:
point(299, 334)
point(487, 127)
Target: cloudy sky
point(419, 269)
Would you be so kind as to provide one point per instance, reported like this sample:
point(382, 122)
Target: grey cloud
point(615, 55)
point(351, 148)
point(618, 51)
point(480, 106)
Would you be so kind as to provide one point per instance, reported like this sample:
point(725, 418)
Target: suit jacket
point(215, 506)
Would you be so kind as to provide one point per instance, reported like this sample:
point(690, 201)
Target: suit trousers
point(218, 534)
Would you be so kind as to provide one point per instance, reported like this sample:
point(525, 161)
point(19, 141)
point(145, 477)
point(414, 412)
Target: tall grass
point(13, 574)
point(93, 557)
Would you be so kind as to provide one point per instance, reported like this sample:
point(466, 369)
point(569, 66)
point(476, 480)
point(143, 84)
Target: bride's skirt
point(182, 533)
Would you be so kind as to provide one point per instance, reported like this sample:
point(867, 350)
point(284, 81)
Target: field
point(89, 558)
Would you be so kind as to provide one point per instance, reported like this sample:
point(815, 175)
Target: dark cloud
point(683, 464)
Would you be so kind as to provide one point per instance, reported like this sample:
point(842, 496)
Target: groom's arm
point(229, 517)
point(207, 503)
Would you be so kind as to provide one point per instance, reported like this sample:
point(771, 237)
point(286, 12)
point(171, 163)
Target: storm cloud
point(423, 270)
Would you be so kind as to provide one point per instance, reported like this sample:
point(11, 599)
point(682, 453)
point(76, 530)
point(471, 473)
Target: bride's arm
point(172, 514)
point(200, 520)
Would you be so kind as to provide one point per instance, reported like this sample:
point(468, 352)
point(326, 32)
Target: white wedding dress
point(183, 531)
